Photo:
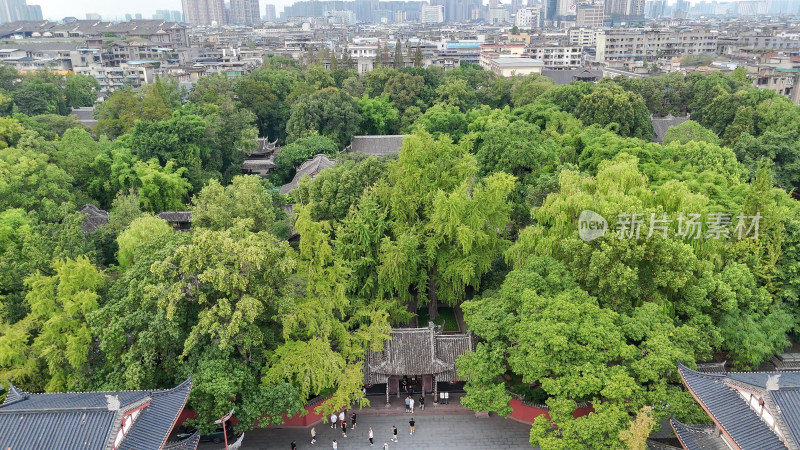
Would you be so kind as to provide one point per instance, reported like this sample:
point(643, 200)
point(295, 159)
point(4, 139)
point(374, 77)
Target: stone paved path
point(433, 432)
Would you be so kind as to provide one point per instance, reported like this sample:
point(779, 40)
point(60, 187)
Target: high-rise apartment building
point(432, 14)
point(591, 14)
point(458, 10)
point(269, 13)
point(529, 17)
point(625, 7)
point(245, 12)
point(203, 12)
point(567, 8)
point(176, 16)
point(162, 14)
point(13, 10)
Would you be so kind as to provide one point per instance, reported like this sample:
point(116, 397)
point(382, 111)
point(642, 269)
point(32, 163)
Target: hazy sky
point(112, 9)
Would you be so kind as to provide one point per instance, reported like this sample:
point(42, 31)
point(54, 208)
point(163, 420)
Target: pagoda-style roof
point(417, 351)
point(92, 420)
point(265, 148)
point(720, 397)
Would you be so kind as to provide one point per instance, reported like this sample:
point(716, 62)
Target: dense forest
point(478, 210)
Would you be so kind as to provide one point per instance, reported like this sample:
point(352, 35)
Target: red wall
point(527, 414)
point(303, 421)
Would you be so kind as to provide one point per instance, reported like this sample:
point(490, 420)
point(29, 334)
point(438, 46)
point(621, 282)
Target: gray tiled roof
point(730, 411)
point(89, 420)
point(377, 145)
point(176, 216)
point(417, 351)
point(155, 423)
point(95, 218)
point(698, 437)
point(779, 380)
point(309, 168)
point(788, 400)
point(662, 124)
point(562, 77)
point(189, 443)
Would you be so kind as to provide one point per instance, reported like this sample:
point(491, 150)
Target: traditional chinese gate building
point(425, 354)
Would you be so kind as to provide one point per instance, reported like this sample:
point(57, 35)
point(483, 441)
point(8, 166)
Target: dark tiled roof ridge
point(700, 374)
point(151, 391)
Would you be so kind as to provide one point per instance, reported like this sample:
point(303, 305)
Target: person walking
point(370, 437)
point(294, 445)
point(411, 426)
point(313, 435)
point(335, 445)
point(333, 420)
point(344, 429)
point(353, 420)
point(394, 433)
point(411, 404)
point(422, 403)
point(341, 418)
point(408, 403)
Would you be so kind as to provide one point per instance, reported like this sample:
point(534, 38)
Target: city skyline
point(111, 10)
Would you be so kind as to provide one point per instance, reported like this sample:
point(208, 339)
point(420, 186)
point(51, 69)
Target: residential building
point(585, 37)
point(591, 14)
point(650, 44)
point(566, 8)
point(269, 13)
point(459, 10)
point(432, 14)
point(498, 16)
point(784, 81)
point(13, 10)
point(204, 12)
point(529, 17)
point(245, 12)
point(625, 8)
point(557, 56)
point(342, 17)
point(93, 16)
point(509, 66)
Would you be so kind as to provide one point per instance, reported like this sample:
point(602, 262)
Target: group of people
point(410, 403)
point(339, 420)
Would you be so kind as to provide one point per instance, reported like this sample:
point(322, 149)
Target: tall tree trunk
point(433, 299)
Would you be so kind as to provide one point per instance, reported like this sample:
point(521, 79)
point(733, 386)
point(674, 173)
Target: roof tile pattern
point(730, 411)
point(700, 438)
point(89, 420)
point(153, 426)
point(377, 145)
point(417, 351)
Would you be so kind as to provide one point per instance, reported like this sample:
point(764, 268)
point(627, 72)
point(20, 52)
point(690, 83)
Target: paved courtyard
point(433, 432)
